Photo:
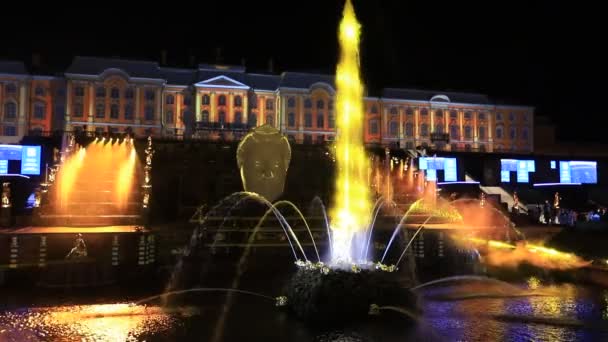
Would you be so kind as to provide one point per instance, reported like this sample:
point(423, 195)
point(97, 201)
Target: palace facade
point(101, 95)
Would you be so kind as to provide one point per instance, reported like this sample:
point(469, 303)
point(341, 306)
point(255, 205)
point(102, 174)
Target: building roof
point(263, 82)
point(96, 66)
point(305, 80)
point(175, 76)
point(13, 67)
point(427, 95)
point(221, 67)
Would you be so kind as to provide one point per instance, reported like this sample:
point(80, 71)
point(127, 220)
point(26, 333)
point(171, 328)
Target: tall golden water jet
point(351, 209)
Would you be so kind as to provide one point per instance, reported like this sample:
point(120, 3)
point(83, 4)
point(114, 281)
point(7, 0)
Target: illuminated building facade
point(100, 95)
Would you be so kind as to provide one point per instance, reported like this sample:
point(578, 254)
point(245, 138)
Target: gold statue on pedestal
point(6, 195)
point(263, 158)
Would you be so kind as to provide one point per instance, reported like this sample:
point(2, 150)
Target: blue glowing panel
point(505, 176)
point(508, 165)
point(10, 152)
point(3, 167)
point(439, 163)
point(522, 175)
point(422, 163)
point(431, 175)
point(30, 160)
point(531, 166)
point(564, 172)
point(583, 172)
point(450, 173)
point(553, 165)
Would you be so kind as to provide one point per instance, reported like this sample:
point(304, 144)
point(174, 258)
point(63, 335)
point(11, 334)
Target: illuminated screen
point(584, 172)
point(432, 164)
point(521, 167)
point(20, 159)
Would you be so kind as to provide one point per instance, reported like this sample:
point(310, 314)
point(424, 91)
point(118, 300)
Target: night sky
point(547, 54)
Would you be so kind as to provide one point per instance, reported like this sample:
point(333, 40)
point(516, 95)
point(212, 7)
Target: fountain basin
point(343, 296)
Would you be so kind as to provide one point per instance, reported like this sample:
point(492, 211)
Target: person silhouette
point(79, 250)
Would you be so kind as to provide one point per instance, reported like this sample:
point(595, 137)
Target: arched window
point(320, 104)
point(114, 93)
point(424, 112)
point(468, 115)
point(170, 99)
point(221, 100)
point(205, 99)
point(331, 120)
point(149, 113)
point(374, 109)
point(467, 132)
point(453, 114)
point(481, 116)
point(393, 128)
point(169, 117)
point(409, 129)
point(128, 111)
point(439, 128)
point(269, 104)
point(307, 120)
point(114, 111)
point(481, 132)
point(269, 119)
point(513, 133)
point(454, 132)
point(238, 118)
point(100, 92)
point(39, 91)
point(238, 101)
point(10, 88)
point(291, 102)
point(394, 111)
point(129, 93)
point(409, 111)
point(252, 120)
point(424, 130)
point(499, 132)
point(291, 119)
point(10, 111)
point(308, 103)
point(205, 116)
point(320, 120)
point(373, 127)
point(524, 133)
point(39, 110)
point(221, 118)
point(439, 113)
point(100, 111)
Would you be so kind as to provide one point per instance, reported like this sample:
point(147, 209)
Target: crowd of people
point(553, 214)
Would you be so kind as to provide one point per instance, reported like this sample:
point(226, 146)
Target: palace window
point(170, 99)
point(100, 92)
point(308, 103)
point(221, 100)
point(78, 110)
point(39, 110)
point(129, 93)
point(100, 111)
point(453, 114)
point(373, 127)
point(252, 120)
point(454, 132)
point(424, 130)
point(221, 118)
point(187, 100)
point(394, 111)
point(409, 111)
point(499, 132)
point(149, 113)
point(291, 119)
point(467, 132)
point(205, 116)
point(205, 99)
point(320, 104)
point(169, 117)
point(10, 88)
point(409, 129)
point(114, 111)
point(498, 116)
point(511, 116)
point(78, 91)
point(10, 131)
point(238, 101)
point(114, 93)
point(439, 128)
point(468, 115)
point(330, 105)
point(481, 116)
point(39, 91)
point(424, 112)
point(320, 120)
point(393, 128)
point(269, 120)
point(269, 104)
point(238, 118)
point(482, 132)
point(291, 102)
point(150, 95)
point(10, 111)
point(439, 113)
point(129, 111)
point(513, 133)
point(374, 109)
point(524, 133)
point(308, 120)
point(331, 120)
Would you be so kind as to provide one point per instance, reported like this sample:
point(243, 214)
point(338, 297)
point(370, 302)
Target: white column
point(91, 111)
point(23, 103)
point(137, 116)
point(68, 106)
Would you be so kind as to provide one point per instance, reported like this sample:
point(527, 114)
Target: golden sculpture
point(263, 158)
point(149, 151)
point(6, 195)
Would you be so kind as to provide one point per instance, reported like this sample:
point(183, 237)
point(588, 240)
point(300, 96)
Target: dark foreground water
point(467, 311)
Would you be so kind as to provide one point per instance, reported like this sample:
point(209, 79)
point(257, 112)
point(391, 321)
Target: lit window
point(291, 119)
point(393, 128)
point(320, 120)
point(238, 101)
point(100, 111)
point(221, 100)
point(373, 127)
point(100, 92)
point(409, 129)
point(170, 99)
point(308, 120)
point(39, 111)
point(114, 111)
